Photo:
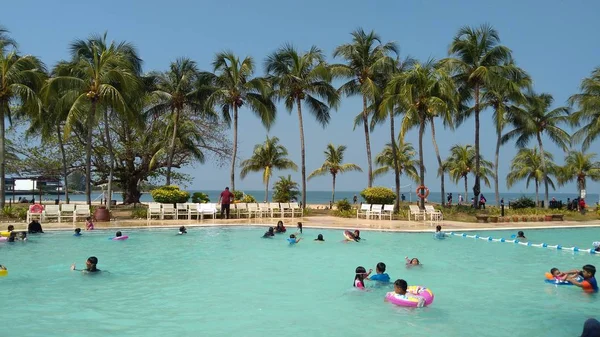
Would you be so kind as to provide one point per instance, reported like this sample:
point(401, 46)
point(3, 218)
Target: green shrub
point(351, 213)
point(248, 199)
point(378, 195)
point(343, 205)
point(22, 213)
point(8, 212)
point(522, 202)
point(238, 195)
point(169, 195)
point(201, 198)
point(139, 213)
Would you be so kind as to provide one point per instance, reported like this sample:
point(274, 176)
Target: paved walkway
point(319, 222)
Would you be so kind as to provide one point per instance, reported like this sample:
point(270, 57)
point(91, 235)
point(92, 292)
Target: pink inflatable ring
point(411, 301)
point(124, 237)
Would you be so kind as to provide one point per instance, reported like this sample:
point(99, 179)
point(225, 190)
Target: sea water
point(218, 281)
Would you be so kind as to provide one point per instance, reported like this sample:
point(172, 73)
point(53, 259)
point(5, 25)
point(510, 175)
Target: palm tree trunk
point(365, 116)
point(496, 162)
point(267, 190)
point(333, 191)
point(172, 147)
point(544, 173)
point(476, 187)
point(421, 163)
point(466, 190)
point(63, 154)
point(302, 152)
point(235, 144)
point(88, 154)
point(439, 159)
point(537, 193)
point(112, 159)
point(3, 113)
point(395, 157)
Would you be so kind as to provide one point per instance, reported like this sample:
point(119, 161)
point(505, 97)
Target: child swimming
point(412, 262)
point(400, 292)
point(293, 240)
point(300, 227)
point(89, 225)
point(319, 238)
point(352, 236)
point(182, 230)
point(521, 236)
point(90, 265)
point(561, 276)
point(360, 276)
point(589, 283)
point(269, 233)
point(77, 232)
point(438, 233)
point(280, 228)
point(380, 275)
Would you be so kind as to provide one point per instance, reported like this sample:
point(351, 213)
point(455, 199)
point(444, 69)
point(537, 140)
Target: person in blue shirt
point(438, 233)
point(380, 275)
point(293, 240)
point(77, 232)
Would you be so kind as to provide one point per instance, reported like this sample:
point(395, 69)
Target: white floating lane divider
point(528, 244)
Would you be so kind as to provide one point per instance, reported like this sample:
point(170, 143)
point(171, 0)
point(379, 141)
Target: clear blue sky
point(555, 41)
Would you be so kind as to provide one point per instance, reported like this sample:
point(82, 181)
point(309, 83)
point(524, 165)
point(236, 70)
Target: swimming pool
point(218, 281)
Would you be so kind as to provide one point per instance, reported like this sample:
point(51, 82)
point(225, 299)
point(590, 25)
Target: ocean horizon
point(324, 197)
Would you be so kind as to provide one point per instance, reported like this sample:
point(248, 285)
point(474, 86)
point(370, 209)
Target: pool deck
point(328, 222)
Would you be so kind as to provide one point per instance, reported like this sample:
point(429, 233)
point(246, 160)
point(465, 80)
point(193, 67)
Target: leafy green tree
point(477, 59)
point(99, 75)
point(267, 157)
point(536, 118)
point(421, 91)
point(461, 163)
point(588, 103)
point(579, 166)
point(406, 163)
point(334, 158)
point(303, 78)
point(527, 165)
point(21, 76)
point(231, 87)
point(285, 189)
point(366, 58)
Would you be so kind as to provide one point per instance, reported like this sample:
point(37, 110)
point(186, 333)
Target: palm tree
point(266, 157)
point(447, 116)
point(477, 59)
point(405, 161)
point(588, 102)
point(535, 118)
point(421, 91)
point(303, 77)
point(579, 166)
point(366, 58)
point(527, 165)
point(99, 75)
point(21, 76)
point(175, 91)
point(502, 96)
point(231, 87)
point(285, 189)
point(461, 163)
point(334, 157)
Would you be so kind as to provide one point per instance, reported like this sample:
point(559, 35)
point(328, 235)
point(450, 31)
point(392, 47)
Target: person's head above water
point(380, 267)
point(292, 236)
point(591, 328)
point(182, 230)
point(300, 226)
point(11, 228)
point(588, 271)
point(415, 261)
point(521, 234)
point(319, 238)
point(91, 263)
point(554, 271)
point(400, 286)
point(360, 274)
point(118, 234)
point(438, 228)
point(77, 230)
point(279, 223)
point(357, 234)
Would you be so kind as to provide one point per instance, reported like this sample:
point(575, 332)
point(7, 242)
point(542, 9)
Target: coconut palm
point(303, 78)
point(267, 157)
point(405, 161)
point(588, 103)
point(285, 189)
point(174, 91)
point(366, 57)
point(99, 75)
point(447, 116)
point(535, 119)
point(232, 87)
point(21, 76)
point(501, 96)
point(527, 165)
point(334, 157)
point(461, 163)
point(579, 166)
point(421, 91)
point(476, 59)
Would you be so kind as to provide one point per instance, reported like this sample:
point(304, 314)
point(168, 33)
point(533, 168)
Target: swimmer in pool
point(521, 236)
point(90, 265)
point(438, 233)
point(352, 236)
point(412, 262)
point(360, 276)
point(182, 230)
point(380, 275)
point(299, 228)
point(292, 240)
point(280, 228)
point(561, 276)
point(400, 292)
point(77, 232)
point(118, 234)
point(269, 233)
point(320, 238)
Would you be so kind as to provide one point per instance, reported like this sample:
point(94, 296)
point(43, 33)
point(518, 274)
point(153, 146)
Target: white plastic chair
point(51, 212)
point(154, 209)
point(67, 211)
point(168, 210)
point(275, 209)
point(286, 209)
point(416, 212)
point(81, 211)
point(192, 209)
point(388, 210)
point(363, 210)
point(296, 209)
point(181, 209)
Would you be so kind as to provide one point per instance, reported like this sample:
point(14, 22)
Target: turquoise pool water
point(230, 282)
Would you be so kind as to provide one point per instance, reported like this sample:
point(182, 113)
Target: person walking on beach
point(355, 199)
point(460, 200)
point(225, 201)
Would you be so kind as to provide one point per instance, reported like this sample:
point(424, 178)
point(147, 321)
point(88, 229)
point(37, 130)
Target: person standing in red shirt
point(225, 200)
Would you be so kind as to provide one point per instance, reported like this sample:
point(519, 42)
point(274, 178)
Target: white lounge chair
point(286, 209)
point(416, 212)
point(434, 215)
point(388, 210)
point(363, 210)
point(275, 209)
point(375, 211)
point(35, 212)
point(241, 209)
point(265, 209)
point(67, 211)
point(154, 209)
point(81, 211)
point(207, 209)
point(168, 210)
point(253, 209)
point(181, 209)
point(51, 212)
point(192, 209)
point(296, 209)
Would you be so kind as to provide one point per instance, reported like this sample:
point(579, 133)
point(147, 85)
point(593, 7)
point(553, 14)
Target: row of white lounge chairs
point(238, 210)
point(382, 211)
point(44, 213)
